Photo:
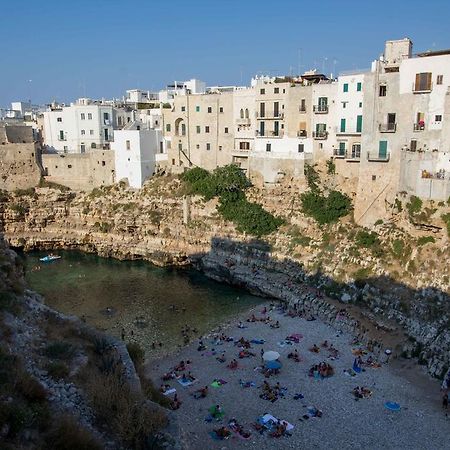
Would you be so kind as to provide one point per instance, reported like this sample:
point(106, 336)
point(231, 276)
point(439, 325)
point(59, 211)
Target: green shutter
point(341, 148)
point(359, 124)
point(342, 125)
point(345, 87)
point(197, 108)
point(382, 149)
point(358, 86)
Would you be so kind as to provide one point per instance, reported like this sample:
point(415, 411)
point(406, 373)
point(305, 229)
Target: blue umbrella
point(273, 365)
point(393, 406)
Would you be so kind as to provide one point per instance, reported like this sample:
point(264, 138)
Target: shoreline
point(421, 409)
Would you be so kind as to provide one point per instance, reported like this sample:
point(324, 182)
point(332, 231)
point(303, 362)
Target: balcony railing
point(302, 133)
point(417, 89)
point(387, 127)
point(377, 156)
point(243, 121)
point(353, 156)
point(62, 138)
point(419, 126)
point(339, 153)
point(271, 134)
point(320, 109)
point(320, 134)
point(107, 122)
point(270, 115)
point(302, 109)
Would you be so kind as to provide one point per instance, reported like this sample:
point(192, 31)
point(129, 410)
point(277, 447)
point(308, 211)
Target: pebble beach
point(345, 422)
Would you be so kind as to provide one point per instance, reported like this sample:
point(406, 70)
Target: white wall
point(138, 162)
point(285, 147)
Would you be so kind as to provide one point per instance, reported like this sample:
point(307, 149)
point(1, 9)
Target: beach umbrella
point(273, 365)
point(270, 355)
point(393, 406)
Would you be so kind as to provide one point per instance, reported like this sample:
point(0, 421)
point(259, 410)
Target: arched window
point(246, 113)
point(242, 113)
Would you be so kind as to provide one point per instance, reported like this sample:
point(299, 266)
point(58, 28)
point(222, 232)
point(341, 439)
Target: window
point(342, 125)
point(90, 116)
point(180, 146)
point(374, 177)
point(344, 105)
point(197, 146)
point(413, 145)
point(91, 132)
point(69, 166)
point(276, 90)
point(301, 148)
point(244, 145)
point(359, 86)
point(105, 116)
point(173, 161)
point(438, 118)
point(382, 149)
point(284, 91)
point(83, 132)
point(198, 129)
point(262, 91)
point(360, 104)
point(103, 163)
point(128, 145)
point(83, 116)
point(197, 109)
point(209, 109)
point(59, 119)
point(359, 121)
point(221, 109)
point(345, 87)
point(65, 150)
point(61, 135)
point(206, 129)
point(423, 82)
point(168, 127)
point(226, 130)
point(382, 91)
point(341, 149)
point(268, 147)
point(303, 105)
point(356, 151)
point(439, 79)
point(241, 113)
point(246, 113)
point(208, 146)
point(183, 108)
point(220, 148)
point(262, 110)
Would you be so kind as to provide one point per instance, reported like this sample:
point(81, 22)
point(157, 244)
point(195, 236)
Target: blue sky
point(100, 48)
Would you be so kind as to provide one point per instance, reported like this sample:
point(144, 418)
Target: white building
point(138, 149)
point(83, 125)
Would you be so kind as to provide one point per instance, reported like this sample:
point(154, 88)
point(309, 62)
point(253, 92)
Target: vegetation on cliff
point(229, 183)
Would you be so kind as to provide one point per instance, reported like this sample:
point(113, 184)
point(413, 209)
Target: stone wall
point(19, 165)
point(83, 171)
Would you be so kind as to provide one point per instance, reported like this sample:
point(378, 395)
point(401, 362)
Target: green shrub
point(361, 274)
point(425, 240)
point(398, 205)
point(57, 370)
point(30, 192)
point(331, 167)
point(414, 206)
point(301, 240)
point(400, 249)
point(379, 222)
point(50, 184)
point(19, 209)
point(60, 350)
point(366, 239)
point(325, 209)
point(312, 177)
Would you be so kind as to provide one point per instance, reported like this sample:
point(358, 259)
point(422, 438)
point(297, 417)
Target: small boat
point(49, 258)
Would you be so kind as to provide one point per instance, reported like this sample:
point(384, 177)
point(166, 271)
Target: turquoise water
point(135, 296)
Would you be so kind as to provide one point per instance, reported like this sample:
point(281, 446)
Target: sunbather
point(222, 433)
point(233, 364)
point(314, 349)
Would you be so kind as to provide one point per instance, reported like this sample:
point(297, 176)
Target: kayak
point(49, 258)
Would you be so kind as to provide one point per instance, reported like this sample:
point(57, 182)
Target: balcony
point(107, 122)
point(320, 134)
point(243, 121)
point(387, 127)
point(269, 134)
point(61, 139)
point(302, 109)
point(378, 157)
point(339, 153)
point(270, 115)
point(353, 157)
point(302, 133)
point(320, 109)
point(420, 126)
point(418, 89)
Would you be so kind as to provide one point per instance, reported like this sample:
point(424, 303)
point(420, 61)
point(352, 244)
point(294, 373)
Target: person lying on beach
point(361, 392)
point(222, 433)
point(280, 430)
point(294, 355)
point(243, 343)
point(324, 344)
point(252, 319)
point(241, 325)
point(333, 352)
point(201, 393)
point(169, 376)
point(275, 325)
point(233, 364)
point(180, 367)
point(221, 358)
point(245, 354)
point(314, 349)
point(164, 388)
point(264, 310)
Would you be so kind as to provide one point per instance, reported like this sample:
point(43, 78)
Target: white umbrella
point(270, 355)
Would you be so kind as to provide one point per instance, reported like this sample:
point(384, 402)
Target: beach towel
point(218, 383)
point(257, 341)
point(298, 396)
point(393, 406)
point(246, 384)
point(268, 419)
point(294, 337)
point(356, 366)
point(170, 391)
point(186, 383)
point(283, 344)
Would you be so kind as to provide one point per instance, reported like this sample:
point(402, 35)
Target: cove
point(135, 295)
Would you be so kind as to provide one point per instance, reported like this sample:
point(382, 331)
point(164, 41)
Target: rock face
point(149, 224)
